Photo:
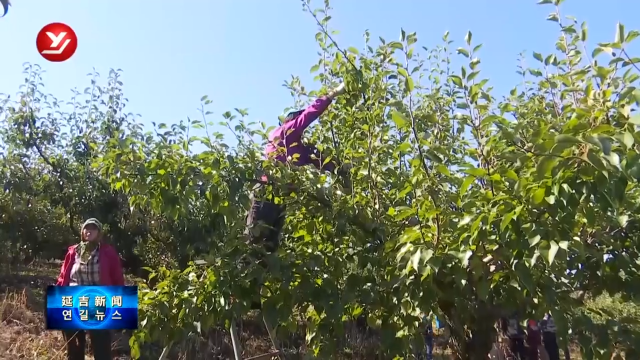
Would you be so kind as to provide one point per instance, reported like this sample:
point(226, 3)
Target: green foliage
point(462, 202)
point(608, 320)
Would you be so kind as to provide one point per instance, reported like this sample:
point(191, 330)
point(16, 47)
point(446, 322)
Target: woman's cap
point(292, 115)
point(92, 221)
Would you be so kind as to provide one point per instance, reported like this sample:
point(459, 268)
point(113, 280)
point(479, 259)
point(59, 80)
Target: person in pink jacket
point(266, 218)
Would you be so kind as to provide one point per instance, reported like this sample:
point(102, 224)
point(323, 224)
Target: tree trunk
point(471, 339)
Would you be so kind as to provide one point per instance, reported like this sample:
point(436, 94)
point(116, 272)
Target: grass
point(23, 334)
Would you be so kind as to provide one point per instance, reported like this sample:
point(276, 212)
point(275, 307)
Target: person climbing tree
point(266, 218)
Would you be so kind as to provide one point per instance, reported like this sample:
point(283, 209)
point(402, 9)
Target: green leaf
point(545, 166)
point(465, 184)
point(538, 195)
point(631, 36)
point(399, 119)
point(478, 172)
point(457, 80)
point(538, 56)
point(463, 51)
point(404, 147)
point(396, 45)
point(605, 144)
point(467, 38)
point(506, 219)
point(442, 169)
point(627, 139)
point(465, 220)
point(553, 251)
point(353, 50)
point(533, 240)
point(620, 36)
point(595, 160)
point(567, 139)
point(524, 276)
point(408, 83)
point(623, 220)
point(415, 259)
point(635, 119)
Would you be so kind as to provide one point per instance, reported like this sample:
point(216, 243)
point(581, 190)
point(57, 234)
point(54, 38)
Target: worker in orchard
point(266, 218)
point(429, 334)
point(549, 338)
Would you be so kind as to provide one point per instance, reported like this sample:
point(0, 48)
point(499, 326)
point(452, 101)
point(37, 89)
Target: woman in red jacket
point(91, 262)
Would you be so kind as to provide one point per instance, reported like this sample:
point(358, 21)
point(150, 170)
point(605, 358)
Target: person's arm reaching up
point(311, 113)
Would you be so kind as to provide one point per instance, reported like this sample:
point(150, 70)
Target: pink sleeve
point(309, 115)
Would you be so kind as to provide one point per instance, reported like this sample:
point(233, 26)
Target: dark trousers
point(265, 220)
point(264, 225)
point(76, 343)
point(516, 345)
point(551, 345)
point(428, 339)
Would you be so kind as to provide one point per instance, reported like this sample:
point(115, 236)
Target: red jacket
point(109, 263)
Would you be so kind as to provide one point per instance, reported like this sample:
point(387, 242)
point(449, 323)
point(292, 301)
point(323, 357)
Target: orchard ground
point(22, 329)
point(23, 334)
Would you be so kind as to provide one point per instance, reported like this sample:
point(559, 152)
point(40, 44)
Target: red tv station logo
point(57, 42)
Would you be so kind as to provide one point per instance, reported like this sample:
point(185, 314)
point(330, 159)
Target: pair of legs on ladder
point(264, 226)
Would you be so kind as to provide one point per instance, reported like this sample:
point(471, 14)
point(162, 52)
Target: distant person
point(90, 262)
point(428, 335)
point(266, 218)
point(536, 350)
point(549, 337)
point(516, 337)
point(534, 340)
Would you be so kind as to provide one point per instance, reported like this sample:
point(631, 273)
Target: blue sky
point(239, 52)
